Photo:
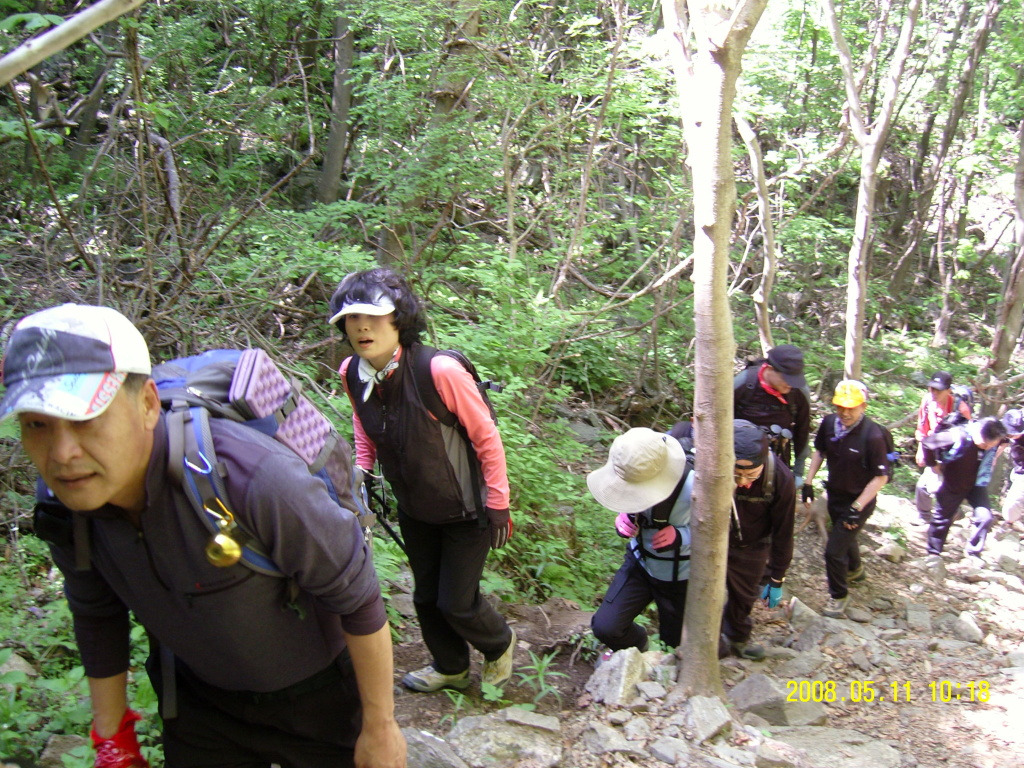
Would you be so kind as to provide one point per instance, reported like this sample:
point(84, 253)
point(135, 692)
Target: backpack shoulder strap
point(192, 461)
point(420, 356)
point(769, 477)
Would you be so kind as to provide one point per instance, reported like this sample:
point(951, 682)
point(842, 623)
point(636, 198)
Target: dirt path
point(946, 731)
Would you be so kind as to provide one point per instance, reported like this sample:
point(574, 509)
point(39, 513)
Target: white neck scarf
point(370, 375)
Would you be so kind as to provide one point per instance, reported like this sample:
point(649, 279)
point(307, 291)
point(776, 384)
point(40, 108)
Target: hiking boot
point(746, 650)
point(852, 577)
point(835, 608)
point(428, 679)
point(498, 672)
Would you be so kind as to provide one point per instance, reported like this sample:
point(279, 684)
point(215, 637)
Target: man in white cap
point(858, 466)
point(241, 678)
point(648, 482)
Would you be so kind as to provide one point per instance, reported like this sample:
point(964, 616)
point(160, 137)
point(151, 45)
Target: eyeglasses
point(747, 474)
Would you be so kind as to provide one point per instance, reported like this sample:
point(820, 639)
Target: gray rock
point(836, 748)
point(502, 739)
point(966, 628)
point(16, 663)
point(601, 739)
point(805, 664)
point(800, 615)
point(638, 729)
point(919, 618)
point(614, 682)
point(764, 696)
point(1015, 658)
point(428, 751)
point(778, 754)
point(859, 615)
point(669, 750)
point(707, 717)
point(892, 552)
point(651, 690)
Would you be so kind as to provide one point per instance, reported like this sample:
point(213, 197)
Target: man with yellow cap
point(858, 466)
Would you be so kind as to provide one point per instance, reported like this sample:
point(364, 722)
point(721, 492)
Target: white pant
point(924, 492)
point(1013, 501)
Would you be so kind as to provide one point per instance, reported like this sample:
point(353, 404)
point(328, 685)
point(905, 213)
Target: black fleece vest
point(427, 463)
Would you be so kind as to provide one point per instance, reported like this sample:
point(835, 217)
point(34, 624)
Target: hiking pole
point(380, 497)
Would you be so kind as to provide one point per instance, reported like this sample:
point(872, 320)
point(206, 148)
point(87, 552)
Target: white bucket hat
point(643, 468)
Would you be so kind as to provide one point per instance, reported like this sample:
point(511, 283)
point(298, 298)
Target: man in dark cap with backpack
point(250, 668)
point(760, 535)
point(772, 393)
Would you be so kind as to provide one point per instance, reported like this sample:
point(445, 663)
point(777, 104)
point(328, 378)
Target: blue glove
point(772, 593)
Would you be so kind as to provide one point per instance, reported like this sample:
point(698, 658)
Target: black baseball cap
point(789, 362)
point(941, 380)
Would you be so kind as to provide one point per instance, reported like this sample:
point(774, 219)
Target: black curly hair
point(366, 286)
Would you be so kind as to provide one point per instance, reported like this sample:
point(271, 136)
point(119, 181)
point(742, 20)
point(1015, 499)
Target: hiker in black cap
point(772, 393)
point(935, 406)
point(760, 535)
point(1013, 501)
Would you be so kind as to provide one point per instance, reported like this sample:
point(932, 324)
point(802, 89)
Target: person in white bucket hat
point(648, 481)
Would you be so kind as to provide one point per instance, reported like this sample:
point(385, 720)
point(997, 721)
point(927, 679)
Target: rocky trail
point(928, 670)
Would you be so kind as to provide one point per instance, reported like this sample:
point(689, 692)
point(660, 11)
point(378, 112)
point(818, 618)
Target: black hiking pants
point(842, 551)
point(447, 562)
point(629, 594)
point(742, 587)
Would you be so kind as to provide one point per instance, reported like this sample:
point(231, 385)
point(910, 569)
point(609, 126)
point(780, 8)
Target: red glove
point(122, 749)
point(665, 538)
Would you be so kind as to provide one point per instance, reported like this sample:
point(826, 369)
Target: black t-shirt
point(854, 459)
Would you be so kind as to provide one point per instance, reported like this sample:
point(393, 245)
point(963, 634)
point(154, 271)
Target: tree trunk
point(925, 180)
point(870, 137)
point(1010, 317)
point(706, 76)
point(31, 52)
point(341, 100)
point(762, 296)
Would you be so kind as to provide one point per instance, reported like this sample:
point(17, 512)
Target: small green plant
point(897, 533)
point(495, 694)
point(538, 674)
point(459, 701)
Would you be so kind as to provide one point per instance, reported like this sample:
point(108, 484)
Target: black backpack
point(892, 453)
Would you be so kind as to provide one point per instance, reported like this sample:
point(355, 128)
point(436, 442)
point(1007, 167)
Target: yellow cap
point(850, 393)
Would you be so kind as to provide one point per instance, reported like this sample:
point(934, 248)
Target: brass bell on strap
point(223, 549)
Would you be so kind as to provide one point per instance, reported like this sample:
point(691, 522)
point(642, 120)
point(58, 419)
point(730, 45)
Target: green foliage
point(538, 675)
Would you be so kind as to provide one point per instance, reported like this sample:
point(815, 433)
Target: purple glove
point(625, 527)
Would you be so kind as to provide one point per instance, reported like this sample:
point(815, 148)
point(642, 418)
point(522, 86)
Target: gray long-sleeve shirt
point(231, 626)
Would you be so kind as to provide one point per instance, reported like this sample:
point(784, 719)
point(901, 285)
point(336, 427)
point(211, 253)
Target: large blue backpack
point(247, 387)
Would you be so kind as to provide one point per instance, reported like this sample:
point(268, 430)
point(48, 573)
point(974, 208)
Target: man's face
point(850, 416)
point(99, 461)
point(745, 474)
point(938, 395)
point(775, 381)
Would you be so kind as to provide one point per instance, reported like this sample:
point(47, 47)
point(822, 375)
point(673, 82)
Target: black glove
point(807, 493)
point(851, 517)
point(501, 527)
